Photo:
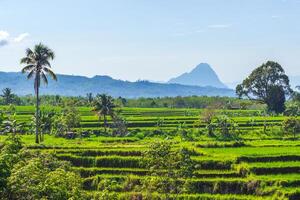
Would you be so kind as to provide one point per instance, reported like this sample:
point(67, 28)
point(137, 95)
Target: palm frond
point(45, 62)
point(44, 78)
point(30, 75)
point(51, 73)
point(27, 68)
point(26, 60)
point(29, 52)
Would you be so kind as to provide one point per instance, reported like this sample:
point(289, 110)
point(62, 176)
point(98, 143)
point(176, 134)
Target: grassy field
point(252, 168)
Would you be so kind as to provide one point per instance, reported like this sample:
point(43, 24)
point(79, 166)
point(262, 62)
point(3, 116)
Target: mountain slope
point(69, 85)
point(201, 75)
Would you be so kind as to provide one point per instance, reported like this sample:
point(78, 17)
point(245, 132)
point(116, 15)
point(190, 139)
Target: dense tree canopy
point(268, 84)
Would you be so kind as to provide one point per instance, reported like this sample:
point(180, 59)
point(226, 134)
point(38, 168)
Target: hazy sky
point(153, 39)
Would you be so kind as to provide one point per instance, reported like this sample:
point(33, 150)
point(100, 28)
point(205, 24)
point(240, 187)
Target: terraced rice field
point(255, 168)
point(262, 169)
point(166, 118)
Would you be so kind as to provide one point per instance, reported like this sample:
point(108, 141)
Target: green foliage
point(68, 119)
point(37, 65)
point(228, 127)
point(119, 126)
point(207, 117)
point(104, 106)
point(11, 125)
point(291, 125)
point(41, 176)
point(9, 98)
point(71, 116)
point(276, 99)
point(269, 84)
point(59, 125)
point(166, 167)
point(292, 109)
point(8, 157)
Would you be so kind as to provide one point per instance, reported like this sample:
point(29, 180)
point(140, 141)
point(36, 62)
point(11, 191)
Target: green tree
point(8, 96)
point(207, 117)
point(227, 126)
point(119, 126)
point(104, 106)
point(8, 158)
point(90, 98)
point(38, 66)
point(72, 116)
point(296, 95)
point(59, 125)
point(268, 84)
point(42, 176)
point(45, 125)
point(292, 109)
point(122, 100)
point(291, 125)
point(168, 169)
point(68, 119)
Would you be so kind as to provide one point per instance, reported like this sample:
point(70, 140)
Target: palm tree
point(7, 95)
point(104, 106)
point(38, 65)
point(90, 98)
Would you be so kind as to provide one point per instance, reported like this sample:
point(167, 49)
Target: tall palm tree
point(104, 105)
point(38, 65)
point(90, 98)
point(7, 95)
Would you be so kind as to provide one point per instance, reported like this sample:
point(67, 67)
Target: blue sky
point(153, 39)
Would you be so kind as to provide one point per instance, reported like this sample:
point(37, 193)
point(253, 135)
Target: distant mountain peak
point(202, 66)
point(201, 75)
point(69, 85)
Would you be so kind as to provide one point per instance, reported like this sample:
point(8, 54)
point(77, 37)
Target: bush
point(292, 125)
point(43, 177)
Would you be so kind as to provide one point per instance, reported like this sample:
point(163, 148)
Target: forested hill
point(69, 85)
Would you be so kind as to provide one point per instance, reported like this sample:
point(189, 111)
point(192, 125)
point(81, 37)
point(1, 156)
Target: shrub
point(41, 176)
point(292, 125)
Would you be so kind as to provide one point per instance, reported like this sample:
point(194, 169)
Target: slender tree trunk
point(37, 111)
point(105, 122)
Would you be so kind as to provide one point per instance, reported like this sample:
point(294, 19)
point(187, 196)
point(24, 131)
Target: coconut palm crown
point(103, 106)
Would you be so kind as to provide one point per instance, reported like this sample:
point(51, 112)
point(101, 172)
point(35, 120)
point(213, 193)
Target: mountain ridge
point(77, 85)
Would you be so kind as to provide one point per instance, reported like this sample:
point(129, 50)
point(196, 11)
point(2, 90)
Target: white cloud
point(219, 26)
point(275, 16)
point(4, 37)
point(21, 37)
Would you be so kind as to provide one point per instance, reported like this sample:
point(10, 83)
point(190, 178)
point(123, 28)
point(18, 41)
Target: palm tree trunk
point(37, 111)
point(105, 122)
